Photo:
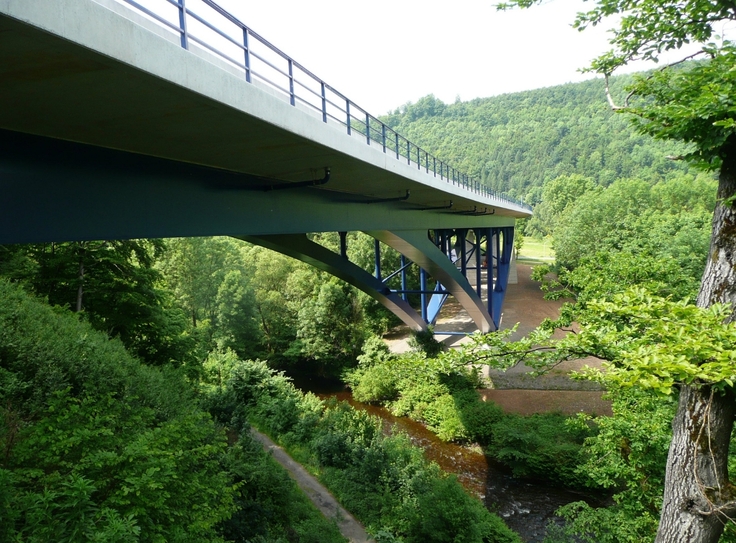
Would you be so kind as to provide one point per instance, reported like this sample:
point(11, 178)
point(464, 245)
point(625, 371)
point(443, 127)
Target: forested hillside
point(516, 142)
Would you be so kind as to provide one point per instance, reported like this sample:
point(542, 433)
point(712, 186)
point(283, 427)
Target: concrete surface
point(100, 73)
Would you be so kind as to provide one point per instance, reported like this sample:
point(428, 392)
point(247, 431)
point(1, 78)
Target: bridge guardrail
point(260, 61)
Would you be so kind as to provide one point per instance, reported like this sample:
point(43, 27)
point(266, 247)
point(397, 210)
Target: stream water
point(526, 506)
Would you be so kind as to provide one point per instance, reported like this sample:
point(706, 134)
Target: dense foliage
point(443, 396)
point(382, 479)
point(517, 142)
point(98, 447)
point(669, 220)
point(174, 301)
point(691, 103)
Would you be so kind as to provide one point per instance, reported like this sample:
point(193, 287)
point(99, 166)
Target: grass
point(535, 249)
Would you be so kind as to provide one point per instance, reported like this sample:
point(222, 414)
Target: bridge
point(163, 118)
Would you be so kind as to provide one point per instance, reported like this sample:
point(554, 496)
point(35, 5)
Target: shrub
point(424, 342)
point(479, 417)
point(540, 446)
point(375, 384)
point(270, 506)
point(444, 513)
point(100, 447)
point(443, 416)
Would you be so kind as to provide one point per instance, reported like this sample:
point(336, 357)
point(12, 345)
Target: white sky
point(385, 53)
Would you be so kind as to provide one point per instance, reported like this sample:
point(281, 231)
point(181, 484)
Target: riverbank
point(527, 506)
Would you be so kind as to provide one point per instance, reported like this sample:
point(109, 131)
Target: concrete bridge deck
point(96, 72)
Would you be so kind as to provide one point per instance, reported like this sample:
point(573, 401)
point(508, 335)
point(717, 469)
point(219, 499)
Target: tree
point(195, 268)
point(637, 217)
point(558, 195)
point(112, 284)
point(330, 327)
point(236, 323)
point(694, 103)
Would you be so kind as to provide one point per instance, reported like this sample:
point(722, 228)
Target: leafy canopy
point(646, 341)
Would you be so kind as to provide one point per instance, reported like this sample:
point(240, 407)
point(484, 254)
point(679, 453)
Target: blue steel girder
point(302, 248)
point(467, 255)
point(417, 246)
point(434, 258)
point(504, 241)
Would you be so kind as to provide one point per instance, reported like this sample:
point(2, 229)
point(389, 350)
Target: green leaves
point(647, 342)
point(694, 103)
point(654, 343)
point(99, 447)
point(382, 479)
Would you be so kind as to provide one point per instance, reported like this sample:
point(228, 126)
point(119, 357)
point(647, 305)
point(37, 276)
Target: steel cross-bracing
point(455, 259)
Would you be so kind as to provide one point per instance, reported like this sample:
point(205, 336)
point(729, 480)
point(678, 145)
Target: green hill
point(516, 142)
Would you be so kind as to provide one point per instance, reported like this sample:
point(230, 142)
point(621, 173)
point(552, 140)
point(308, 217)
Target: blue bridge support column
point(503, 239)
point(418, 247)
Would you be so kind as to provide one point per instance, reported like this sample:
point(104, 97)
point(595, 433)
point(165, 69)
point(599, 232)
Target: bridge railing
point(207, 25)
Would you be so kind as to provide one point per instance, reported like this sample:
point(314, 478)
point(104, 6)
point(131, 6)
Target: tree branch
point(609, 97)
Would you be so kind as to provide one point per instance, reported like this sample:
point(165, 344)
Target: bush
point(375, 384)
point(424, 342)
point(97, 446)
point(479, 418)
point(443, 416)
point(542, 446)
point(270, 506)
point(443, 513)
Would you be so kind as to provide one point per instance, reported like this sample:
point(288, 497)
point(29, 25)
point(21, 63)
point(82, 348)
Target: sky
point(385, 53)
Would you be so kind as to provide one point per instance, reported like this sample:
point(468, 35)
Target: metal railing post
point(383, 136)
point(367, 129)
point(183, 23)
point(292, 100)
point(398, 153)
point(246, 51)
point(347, 110)
point(324, 102)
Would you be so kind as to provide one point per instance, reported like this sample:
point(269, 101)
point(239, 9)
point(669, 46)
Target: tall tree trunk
point(697, 485)
point(719, 279)
point(698, 496)
point(80, 278)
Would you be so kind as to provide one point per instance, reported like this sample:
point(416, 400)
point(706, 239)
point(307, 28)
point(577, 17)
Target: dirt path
point(320, 496)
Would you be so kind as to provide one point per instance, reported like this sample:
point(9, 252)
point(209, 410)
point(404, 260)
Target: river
point(526, 506)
